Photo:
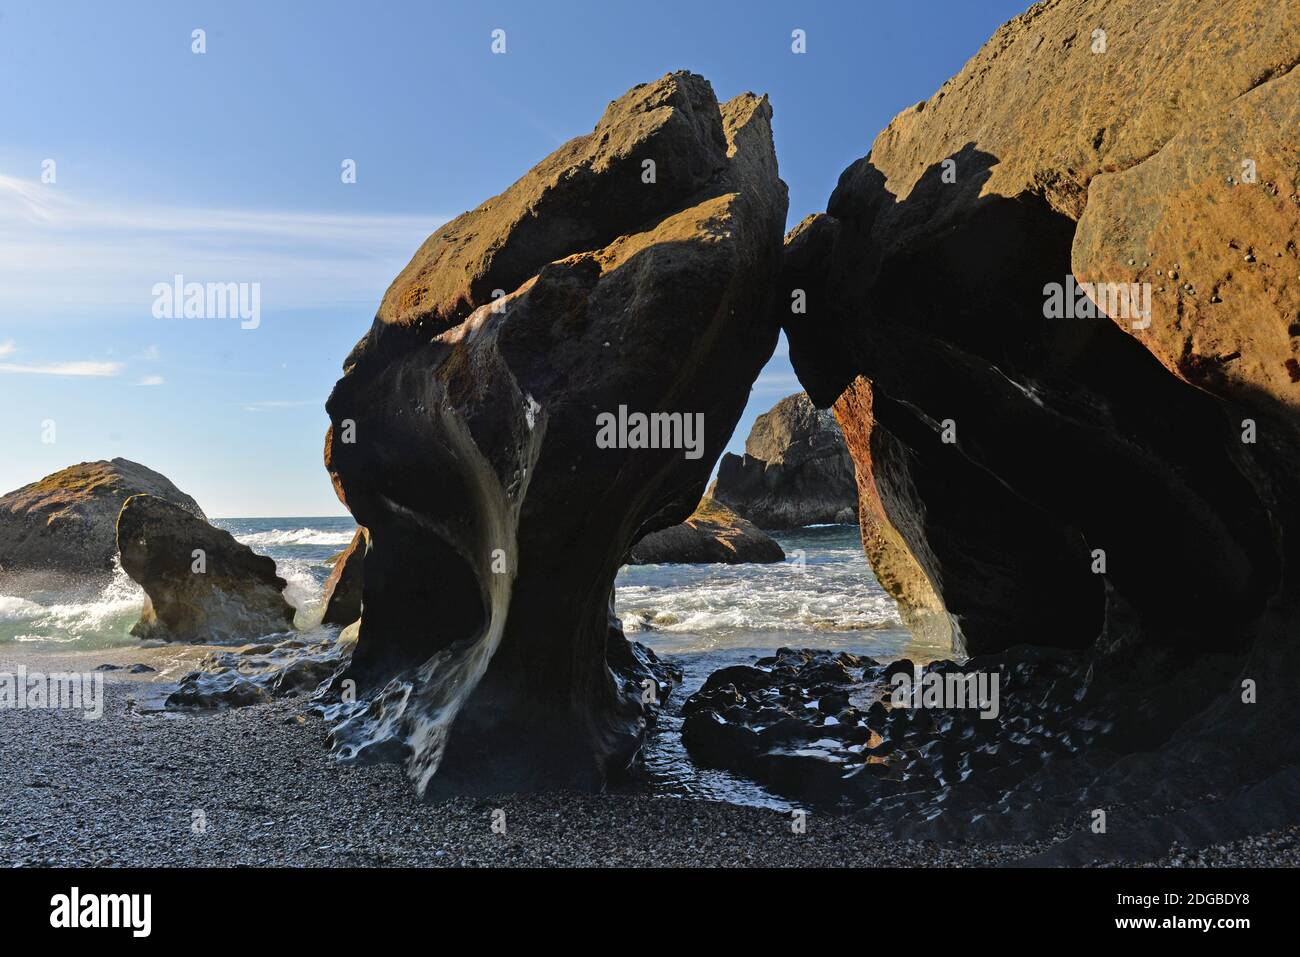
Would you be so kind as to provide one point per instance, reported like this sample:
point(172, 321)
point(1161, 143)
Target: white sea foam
point(834, 593)
point(302, 590)
point(280, 537)
point(102, 618)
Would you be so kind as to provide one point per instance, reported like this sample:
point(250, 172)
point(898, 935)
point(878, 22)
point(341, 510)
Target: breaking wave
point(94, 618)
point(281, 537)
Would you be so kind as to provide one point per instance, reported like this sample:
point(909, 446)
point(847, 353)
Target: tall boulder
point(342, 592)
point(796, 470)
point(1051, 456)
point(200, 584)
point(65, 525)
point(627, 275)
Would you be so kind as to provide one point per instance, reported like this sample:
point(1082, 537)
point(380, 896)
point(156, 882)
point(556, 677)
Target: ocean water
point(102, 618)
point(703, 617)
point(706, 617)
point(824, 596)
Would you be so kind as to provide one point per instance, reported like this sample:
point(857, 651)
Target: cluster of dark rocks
point(832, 729)
point(260, 672)
point(1110, 752)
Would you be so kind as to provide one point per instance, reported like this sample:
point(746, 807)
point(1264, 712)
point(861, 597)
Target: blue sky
point(225, 167)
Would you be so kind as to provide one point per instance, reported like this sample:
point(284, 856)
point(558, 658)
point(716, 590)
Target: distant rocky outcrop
point(713, 534)
point(200, 584)
point(796, 470)
point(65, 525)
point(630, 268)
point(342, 594)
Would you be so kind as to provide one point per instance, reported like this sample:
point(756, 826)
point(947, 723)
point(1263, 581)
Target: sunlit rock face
point(1055, 313)
point(1046, 470)
point(713, 534)
point(200, 583)
point(631, 268)
point(61, 531)
point(341, 596)
point(796, 470)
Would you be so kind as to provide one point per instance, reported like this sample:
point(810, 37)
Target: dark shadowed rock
point(1043, 465)
point(256, 673)
point(464, 436)
point(1007, 446)
point(228, 593)
point(342, 594)
point(713, 533)
point(796, 470)
point(65, 525)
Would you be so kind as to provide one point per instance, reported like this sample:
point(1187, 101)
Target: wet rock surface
point(464, 432)
point(260, 672)
point(63, 528)
point(713, 534)
point(796, 470)
point(315, 668)
point(832, 729)
point(200, 584)
point(1148, 738)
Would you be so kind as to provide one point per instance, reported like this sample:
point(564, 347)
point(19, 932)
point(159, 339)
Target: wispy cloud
point(283, 404)
point(118, 251)
point(76, 368)
point(96, 369)
point(152, 380)
point(787, 383)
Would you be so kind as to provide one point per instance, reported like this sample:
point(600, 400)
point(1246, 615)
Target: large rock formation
point(1032, 460)
point(796, 470)
point(712, 534)
point(342, 593)
point(65, 525)
point(625, 275)
point(200, 584)
point(1043, 460)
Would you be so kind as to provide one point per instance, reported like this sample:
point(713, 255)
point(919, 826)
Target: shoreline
point(256, 786)
point(128, 789)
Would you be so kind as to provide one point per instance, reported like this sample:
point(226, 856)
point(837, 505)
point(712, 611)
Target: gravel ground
point(256, 786)
point(1280, 848)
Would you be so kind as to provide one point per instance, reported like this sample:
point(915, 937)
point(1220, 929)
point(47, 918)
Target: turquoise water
point(102, 617)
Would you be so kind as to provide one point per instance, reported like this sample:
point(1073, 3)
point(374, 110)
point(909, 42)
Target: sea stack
point(796, 470)
point(631, 267)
